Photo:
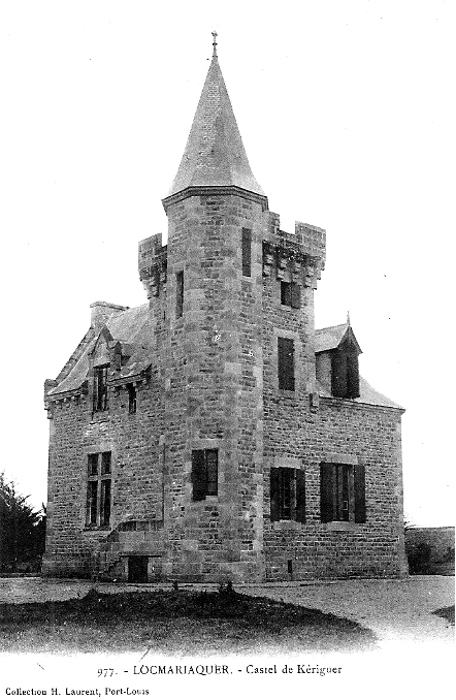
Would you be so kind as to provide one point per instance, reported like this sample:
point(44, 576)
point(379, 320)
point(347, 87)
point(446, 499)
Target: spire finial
point(214, 44)
point(348, 318)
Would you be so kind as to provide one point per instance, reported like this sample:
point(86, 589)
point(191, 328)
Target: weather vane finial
point(348, 318)
point(214, 44)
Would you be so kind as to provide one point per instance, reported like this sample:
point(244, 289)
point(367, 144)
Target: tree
point(22, 529)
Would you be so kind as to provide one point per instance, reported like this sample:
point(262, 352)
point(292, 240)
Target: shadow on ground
point(176, 622)
point(446, 613)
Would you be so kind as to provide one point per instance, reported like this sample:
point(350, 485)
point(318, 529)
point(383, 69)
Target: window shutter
point(198, 475)
point(352, 374)
point(275, 493)
point(300, 496)
point(360, 493)
point(295, 296)
point(326, 492)
point(339, 373)
point(211, 472)
point(285, 350)
point(246, 252)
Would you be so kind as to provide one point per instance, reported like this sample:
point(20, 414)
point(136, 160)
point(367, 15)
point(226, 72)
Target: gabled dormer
point(337, 367)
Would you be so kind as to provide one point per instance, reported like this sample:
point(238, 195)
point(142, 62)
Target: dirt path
point(396, 610)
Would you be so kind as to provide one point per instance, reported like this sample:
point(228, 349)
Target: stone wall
point(72, 548)
point(213, 393)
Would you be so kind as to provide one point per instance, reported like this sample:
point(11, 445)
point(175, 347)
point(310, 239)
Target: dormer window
point(337, 366)
point(100, 388)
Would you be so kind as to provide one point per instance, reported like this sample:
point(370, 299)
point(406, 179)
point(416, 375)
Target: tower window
point(179, 293)
point(204, 473)
point(290, 294)
point(131, 398)
point(100, 388)
point(285, 361)
point(342, 493)
point(288, 494)
point(98, 511)
point(246, 252)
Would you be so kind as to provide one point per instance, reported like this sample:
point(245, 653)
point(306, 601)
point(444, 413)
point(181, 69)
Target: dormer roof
point(214, 155)
point(331, 337)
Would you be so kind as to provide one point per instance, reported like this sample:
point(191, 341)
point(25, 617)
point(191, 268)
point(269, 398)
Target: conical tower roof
point(214, 155)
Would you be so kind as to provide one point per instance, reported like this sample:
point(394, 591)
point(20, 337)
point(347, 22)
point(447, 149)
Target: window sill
point(97, 528)
point(286, 525)
point(341, 526)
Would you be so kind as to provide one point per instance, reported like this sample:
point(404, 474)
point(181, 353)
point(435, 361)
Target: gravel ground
point(396, 610)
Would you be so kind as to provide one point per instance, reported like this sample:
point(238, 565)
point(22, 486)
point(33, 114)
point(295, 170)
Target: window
point(290, 295)
point(246, 252)
point(204, 473)
point(179, 293)
point(131, 398)
point(100, 389)
point(342, 493)
point(288, 494)
point(99, 489)
point(285, 361)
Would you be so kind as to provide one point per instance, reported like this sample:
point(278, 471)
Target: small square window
point(290, 294)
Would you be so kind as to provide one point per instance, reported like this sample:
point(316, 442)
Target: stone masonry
point(213, 434)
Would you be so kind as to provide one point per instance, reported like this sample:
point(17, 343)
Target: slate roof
point(367, 395)
point(133, 327)
point(330, 337)
point(214, 155)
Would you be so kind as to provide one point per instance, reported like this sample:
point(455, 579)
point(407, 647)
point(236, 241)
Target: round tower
point(212, 352)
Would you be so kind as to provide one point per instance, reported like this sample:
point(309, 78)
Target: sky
point(347, 114)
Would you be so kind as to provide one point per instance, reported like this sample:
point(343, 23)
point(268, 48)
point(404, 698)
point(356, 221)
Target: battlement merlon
point(300, 254)
point(152, 264)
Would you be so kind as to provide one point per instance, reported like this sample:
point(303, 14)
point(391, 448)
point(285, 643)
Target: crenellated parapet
point(152, 264)
point(294, 257)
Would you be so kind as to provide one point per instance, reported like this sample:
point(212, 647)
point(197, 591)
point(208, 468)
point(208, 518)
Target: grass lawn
point(175, 622)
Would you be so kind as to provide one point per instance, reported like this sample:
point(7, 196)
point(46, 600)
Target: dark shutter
point(285, 348)
point(352, 374)
point(300, 496)
point(339, 373)
point(275, 493)
point(246, 252)
point(360, 494)
point(211, 472)
point(326, 492)
point(198, 475)
point(295, 296)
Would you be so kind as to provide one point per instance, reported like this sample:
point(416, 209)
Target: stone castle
point(213, 433)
